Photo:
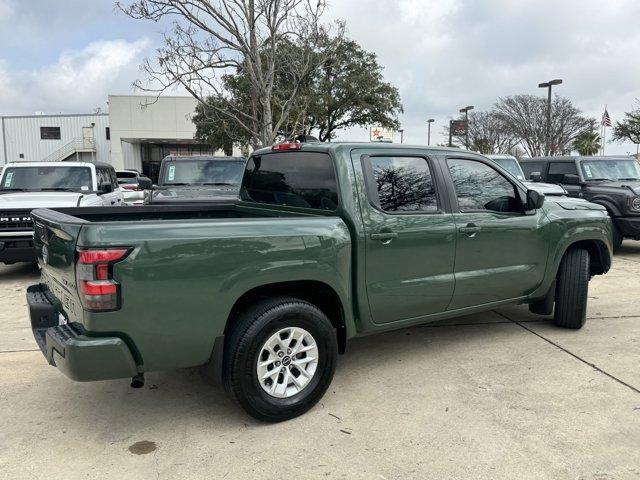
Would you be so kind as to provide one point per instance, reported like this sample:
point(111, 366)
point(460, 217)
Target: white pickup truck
point(25, 186)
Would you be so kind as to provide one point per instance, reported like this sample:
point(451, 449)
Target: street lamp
point(465, 110)
point(401, 135)
point(548, 85)
point(429, 122)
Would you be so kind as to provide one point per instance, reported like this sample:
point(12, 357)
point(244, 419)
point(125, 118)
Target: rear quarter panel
point(183, 277)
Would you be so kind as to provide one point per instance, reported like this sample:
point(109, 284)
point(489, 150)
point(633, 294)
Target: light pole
point(465, 110)
point(401, 135)
point(548, 85)
point(429, 122)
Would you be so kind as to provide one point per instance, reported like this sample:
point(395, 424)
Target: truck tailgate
point(55, 238)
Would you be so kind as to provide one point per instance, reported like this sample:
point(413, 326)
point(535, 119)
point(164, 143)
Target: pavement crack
point(18, 351)
point(569, 352)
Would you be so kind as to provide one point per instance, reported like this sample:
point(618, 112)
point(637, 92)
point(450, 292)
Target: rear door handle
point(470, 230)
point(384, 236)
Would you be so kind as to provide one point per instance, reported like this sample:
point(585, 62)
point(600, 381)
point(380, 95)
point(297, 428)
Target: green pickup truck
point(328, 242)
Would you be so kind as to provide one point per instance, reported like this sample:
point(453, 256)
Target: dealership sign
point(381, 134)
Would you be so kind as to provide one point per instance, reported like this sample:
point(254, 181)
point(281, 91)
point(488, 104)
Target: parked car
point(133, 185)
point(329, 242)
point(28, 185)
point(511, 165)
point(196, 179)
point(613, 182)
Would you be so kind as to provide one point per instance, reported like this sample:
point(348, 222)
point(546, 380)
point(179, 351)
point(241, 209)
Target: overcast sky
point(68, 56)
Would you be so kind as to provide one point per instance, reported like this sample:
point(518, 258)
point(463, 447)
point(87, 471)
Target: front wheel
point(617, 238)
point(572, 289)
point(280, 358)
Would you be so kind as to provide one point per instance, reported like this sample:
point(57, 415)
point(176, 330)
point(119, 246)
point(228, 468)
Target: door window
point(557, 171)
point(103, 178)
point(480, 187)
point(531, 167)
point(402, 184)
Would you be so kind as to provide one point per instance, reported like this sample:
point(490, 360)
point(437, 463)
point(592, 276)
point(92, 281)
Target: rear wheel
point(572, 289)
point(280, 358)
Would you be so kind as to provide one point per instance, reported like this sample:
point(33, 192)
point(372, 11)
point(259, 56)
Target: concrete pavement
point(501, 395)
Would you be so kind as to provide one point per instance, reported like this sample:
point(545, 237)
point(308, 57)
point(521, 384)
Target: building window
point(21, 155)
point(107, 133)
point(49, 133)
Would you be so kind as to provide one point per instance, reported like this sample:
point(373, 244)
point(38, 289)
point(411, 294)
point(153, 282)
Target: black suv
point(613, 182)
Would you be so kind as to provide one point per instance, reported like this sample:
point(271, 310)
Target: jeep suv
point(613, 182)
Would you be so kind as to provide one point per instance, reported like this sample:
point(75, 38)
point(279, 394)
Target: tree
point(587, 143)
point(525, 116)
point(487, 134)
point(629, 128)
point(212, 38)
point(349, 90)
point(346, 90)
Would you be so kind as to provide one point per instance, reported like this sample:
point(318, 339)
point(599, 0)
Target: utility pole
point(429, 122)
point(465, 110)
point(401, 135)
point(548, 85)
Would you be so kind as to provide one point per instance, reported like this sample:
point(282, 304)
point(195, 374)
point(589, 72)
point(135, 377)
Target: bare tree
point(214, 38)
point(525, 116)
point(487, 134)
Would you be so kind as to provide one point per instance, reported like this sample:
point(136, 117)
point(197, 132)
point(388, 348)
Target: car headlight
point(635, 204)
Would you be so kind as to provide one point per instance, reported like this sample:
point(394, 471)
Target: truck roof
point(332, 146)
point(202, 157)
point(573, 158)
point(55, 164)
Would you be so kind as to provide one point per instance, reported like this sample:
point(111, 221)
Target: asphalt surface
point(501, 395)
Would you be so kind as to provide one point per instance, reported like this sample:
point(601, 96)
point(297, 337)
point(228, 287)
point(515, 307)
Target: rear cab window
point(295, 179)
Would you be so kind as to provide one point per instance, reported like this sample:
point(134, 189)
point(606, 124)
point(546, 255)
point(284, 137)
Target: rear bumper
point(628, 226)
point(17, 249)
point(72, 350)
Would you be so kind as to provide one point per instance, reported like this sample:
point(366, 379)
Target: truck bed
point(148, 213)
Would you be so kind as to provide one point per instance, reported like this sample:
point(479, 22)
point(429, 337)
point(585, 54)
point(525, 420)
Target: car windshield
point(46, 178)
point(203, 172)
point(610, 170)
point(511, 165)
point(127, 178)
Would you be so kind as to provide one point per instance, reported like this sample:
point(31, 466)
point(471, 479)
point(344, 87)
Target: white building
point(33, 138)
point(138, 132)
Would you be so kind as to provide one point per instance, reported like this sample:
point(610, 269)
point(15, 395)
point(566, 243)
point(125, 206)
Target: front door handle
point(384, 236)
point(470, 230)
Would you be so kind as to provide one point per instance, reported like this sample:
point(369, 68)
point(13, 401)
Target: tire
point(572, 289)
point(255, 328)
point(617, 238)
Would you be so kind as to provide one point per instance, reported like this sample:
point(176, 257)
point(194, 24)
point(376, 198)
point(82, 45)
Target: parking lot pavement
point(502, 394)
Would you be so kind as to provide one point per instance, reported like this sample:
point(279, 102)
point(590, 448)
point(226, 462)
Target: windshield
point(610, 170)
point(127, 178)
point(203, 172)
point(47, 178)
point(511, 165)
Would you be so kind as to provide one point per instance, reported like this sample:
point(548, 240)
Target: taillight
point(280, 147)
point(94, 275)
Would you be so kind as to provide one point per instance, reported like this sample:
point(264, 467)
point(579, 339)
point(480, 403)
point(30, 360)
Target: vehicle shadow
point(184, 396)
point(19, 271)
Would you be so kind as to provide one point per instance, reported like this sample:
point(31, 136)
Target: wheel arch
point(599, 256)
point(315, 292)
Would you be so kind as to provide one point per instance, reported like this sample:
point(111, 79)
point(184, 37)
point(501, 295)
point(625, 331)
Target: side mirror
point(535, 200)
point(571, 179)
point(145, 183)
point(105, 188)
point(535, 176)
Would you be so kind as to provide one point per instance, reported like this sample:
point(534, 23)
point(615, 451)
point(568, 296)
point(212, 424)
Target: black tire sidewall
point(245, 384)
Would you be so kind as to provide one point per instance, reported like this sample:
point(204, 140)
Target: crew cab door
point(409, 237)
point(501, 251)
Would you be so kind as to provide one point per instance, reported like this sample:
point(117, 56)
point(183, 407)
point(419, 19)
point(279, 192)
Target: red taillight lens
point(94, 276)
point(280, 147)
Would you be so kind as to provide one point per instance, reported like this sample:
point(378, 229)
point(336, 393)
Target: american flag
point(606, 119)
